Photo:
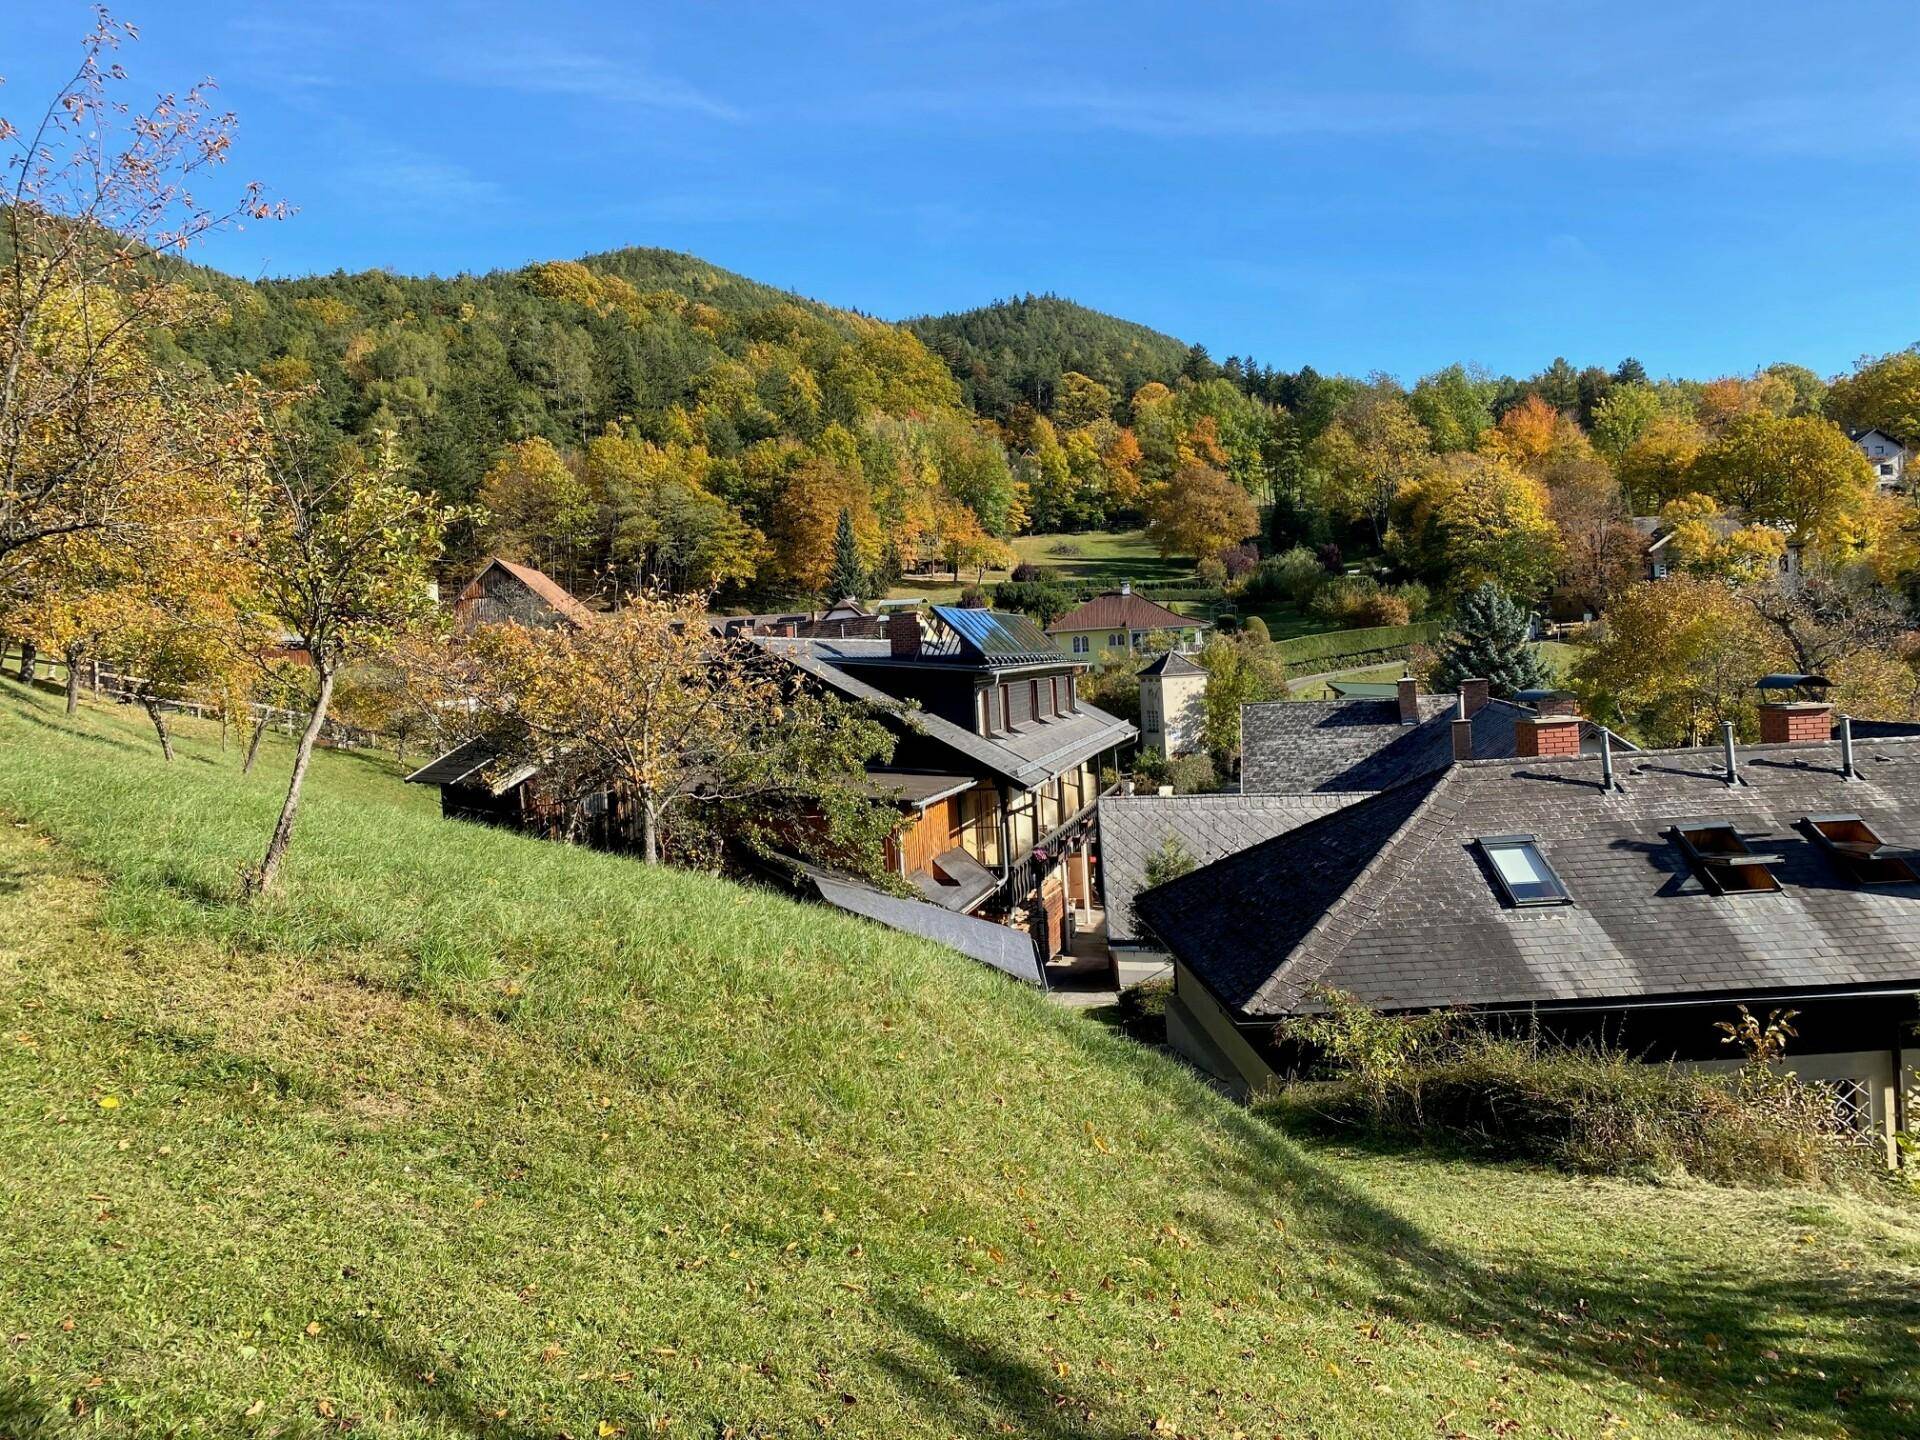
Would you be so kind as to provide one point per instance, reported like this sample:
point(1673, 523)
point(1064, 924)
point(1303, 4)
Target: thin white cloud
point(543, 68)
point(397, 181)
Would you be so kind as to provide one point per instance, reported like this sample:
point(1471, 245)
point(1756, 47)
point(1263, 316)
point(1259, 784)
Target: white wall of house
point(1888, 458)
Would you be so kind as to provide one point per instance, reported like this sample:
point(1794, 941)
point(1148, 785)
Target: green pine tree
point(848, 578)
point(1490, 641)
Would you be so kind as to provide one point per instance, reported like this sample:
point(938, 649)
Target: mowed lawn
point(469, 1135)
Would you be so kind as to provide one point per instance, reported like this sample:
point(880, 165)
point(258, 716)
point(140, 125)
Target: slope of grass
point(468, 1135)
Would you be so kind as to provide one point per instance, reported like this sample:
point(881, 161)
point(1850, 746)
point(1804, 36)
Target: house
point(997, 760)
point(1641, 899)
point(1656, 534)
point(1887, 456)
point(504, 593)
point(1119, 622)
point(844, 619)
point(1306, 758)
point(995, 771)
point(1173, 693)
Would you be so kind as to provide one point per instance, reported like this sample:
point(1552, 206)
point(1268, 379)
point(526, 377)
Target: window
point(1080, 645)
point(1115, 642)
point(1722, 861)
point(1850, 1103)
point(1857, 852)
point(1886, 469)
point(1521, 872)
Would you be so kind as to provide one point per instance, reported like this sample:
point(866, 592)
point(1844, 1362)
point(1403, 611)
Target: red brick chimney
point(1409, 692)
point(903, 634)
point(785, 629)
point(1474, 693)
point(1796, 722)
point(1538, 736)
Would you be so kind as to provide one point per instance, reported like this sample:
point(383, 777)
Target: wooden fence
point(98, 679)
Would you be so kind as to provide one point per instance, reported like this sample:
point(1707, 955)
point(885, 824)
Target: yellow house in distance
point(1120, 621)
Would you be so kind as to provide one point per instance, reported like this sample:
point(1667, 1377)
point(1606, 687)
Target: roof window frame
point(1850, 857)
point(1725, 872)
point(1516, 893)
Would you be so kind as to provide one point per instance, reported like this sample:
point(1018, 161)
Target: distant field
point(1100, 558)
point(469, 1137)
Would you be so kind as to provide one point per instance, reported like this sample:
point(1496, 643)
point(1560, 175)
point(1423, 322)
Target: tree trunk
point(253, 744)
point(649, 829)
point(73, 681)
point(159, 718)
point(29, 661)
point(262, 879)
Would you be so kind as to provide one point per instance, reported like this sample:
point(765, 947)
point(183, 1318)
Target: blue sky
point(1707, 186)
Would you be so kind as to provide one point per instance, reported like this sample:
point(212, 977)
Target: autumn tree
point(341, 555)
point(648, 704)
point(1657, 464)
point(1080, 401)
point(1882, 393)
point(1477, 519)
point(1703, 541)
point(98, 192)
point(537, 510)
point(1199, 512)
point(1600, 548)
point(1370, 453)
point(1801, 473)
point(1676, 657)
point(1623, 417)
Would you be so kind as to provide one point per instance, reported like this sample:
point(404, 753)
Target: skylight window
point(1521, 872)
point(1857, 851)
point(1722, 861)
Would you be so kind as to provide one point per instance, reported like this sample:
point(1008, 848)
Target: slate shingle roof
point(1133, 827)
point(1290, 747)
point(1173, 663)
point(1025, 757)
point(1387, 899)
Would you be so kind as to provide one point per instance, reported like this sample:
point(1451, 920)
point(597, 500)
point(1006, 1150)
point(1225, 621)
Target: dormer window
point(1857, 852)
point(1722, 861)
point(1521, 872)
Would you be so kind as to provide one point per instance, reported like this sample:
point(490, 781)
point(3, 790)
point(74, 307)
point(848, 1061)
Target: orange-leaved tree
point(649, 705)
point(99, 194)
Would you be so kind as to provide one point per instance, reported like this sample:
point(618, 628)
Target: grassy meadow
point(466, 1135)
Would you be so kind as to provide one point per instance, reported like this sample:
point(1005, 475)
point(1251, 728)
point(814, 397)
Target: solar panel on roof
point(997, 635)
point(457, 764)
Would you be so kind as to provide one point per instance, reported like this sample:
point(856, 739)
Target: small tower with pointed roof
point(1172, 709)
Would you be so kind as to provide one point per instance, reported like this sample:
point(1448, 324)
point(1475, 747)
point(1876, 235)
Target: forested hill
point(1015, 351)
point(641, 416)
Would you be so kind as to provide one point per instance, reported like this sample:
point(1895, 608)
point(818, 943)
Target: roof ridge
point(1389, 852)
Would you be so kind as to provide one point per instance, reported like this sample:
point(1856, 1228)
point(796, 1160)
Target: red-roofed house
point(1120, 621)
point(504, 593)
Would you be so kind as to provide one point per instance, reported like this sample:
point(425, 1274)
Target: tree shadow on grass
point(984, 1388)
point(1758, 1349)
point(435, 1389)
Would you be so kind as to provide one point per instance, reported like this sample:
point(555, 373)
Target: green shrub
point(1142, 1011)
point(1415, 596)
point(1381, 608)
point(1193, 774)
point(1256, 631)
point(1585, 1107)
point(1337, 649)
point(1292, 576)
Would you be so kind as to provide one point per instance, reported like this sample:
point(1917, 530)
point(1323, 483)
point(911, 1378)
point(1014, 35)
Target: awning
point(1006, 949)
point(957, 881)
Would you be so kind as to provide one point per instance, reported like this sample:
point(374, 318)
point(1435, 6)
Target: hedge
point(1329, 650)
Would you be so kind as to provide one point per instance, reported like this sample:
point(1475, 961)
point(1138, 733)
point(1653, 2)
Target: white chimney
point(1126, 587)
